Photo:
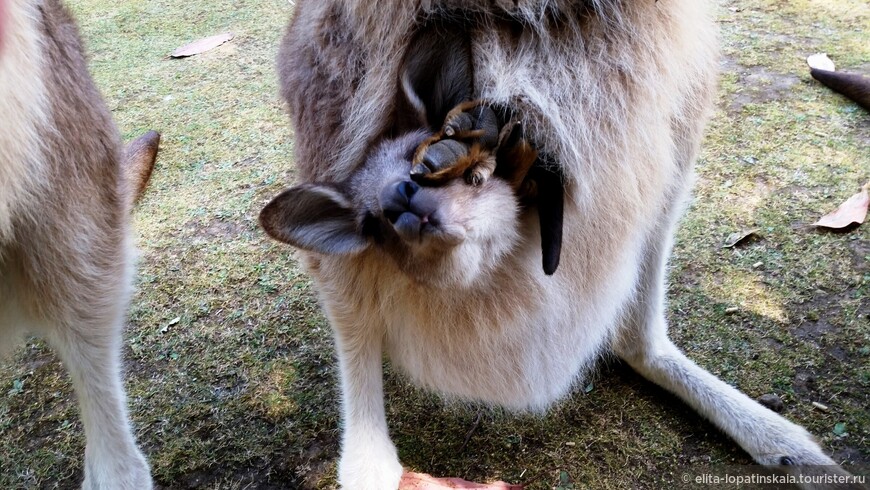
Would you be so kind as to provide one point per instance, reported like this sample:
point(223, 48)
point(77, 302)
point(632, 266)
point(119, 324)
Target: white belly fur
point(523, 357)
point(24, 109)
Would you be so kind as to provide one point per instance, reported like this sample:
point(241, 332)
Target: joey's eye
point(474, 178)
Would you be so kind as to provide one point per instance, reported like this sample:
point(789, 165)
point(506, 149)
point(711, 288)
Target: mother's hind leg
point(643, 342)
point(81, 314)
point(91, 354)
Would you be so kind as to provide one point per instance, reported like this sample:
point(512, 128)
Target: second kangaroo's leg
point(643, 342)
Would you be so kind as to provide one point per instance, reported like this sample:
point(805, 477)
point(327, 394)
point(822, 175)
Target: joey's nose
point(396, 199)
point(407, 189)
point(407, 208)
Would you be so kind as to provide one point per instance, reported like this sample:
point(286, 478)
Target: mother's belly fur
point(522, 358)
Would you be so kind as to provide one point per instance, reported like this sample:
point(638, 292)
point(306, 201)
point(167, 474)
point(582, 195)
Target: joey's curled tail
point(855, 87)
point(551, 204)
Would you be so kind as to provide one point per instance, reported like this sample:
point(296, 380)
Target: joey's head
point(448, 234)
point(451, 235)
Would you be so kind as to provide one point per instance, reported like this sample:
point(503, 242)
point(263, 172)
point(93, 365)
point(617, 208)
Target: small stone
point(772, 402)
point(822, 407)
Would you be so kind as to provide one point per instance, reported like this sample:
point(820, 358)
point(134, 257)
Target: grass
point(230, 367)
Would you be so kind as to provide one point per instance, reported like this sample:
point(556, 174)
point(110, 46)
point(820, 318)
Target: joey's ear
point(314, 217)
point(551, 204)
point(436, 74)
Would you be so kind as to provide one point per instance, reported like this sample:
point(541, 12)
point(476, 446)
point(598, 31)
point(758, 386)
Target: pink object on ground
point(420, 481)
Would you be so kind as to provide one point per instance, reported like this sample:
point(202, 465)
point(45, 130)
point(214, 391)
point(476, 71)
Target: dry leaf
point(420, 481)
point(739, 237)
point(202, 45)
point(852, 211)
point(820, 61)
point(172, 322)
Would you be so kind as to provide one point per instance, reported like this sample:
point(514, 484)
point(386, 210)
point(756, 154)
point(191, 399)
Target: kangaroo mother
point(616, 92)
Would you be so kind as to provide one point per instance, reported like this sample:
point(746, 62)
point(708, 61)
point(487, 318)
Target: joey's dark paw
point(437, 159)
point(474, 140)
point(473, 122)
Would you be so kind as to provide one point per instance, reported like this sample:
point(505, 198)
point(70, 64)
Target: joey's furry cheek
point(316, 218)
point(551, 205)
